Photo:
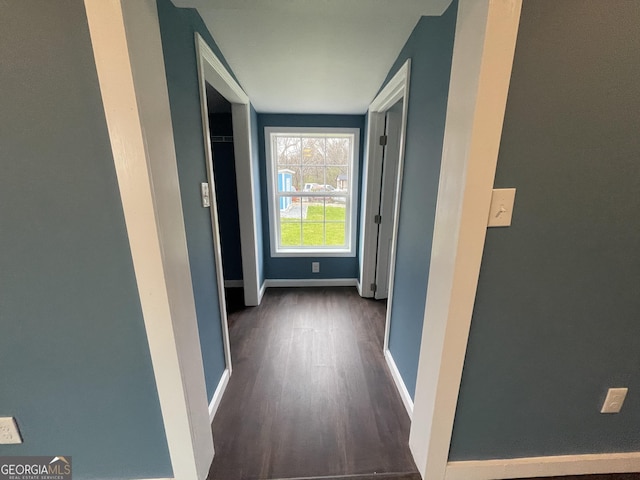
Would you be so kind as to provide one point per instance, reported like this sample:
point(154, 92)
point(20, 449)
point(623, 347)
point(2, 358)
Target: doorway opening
point(226, 191)
point(212, 73)
point(382, 197)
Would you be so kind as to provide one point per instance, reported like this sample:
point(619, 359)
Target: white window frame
point(351, 202)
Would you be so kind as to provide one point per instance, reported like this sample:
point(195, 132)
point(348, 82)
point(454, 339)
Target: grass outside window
point(322, 226)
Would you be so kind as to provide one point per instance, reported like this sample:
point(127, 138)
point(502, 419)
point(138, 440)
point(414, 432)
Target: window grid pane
point(317, 166)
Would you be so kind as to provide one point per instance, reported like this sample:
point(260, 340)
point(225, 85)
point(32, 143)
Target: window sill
point(292, 253)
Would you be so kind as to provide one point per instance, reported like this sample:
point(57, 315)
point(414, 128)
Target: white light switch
point(9, 431)
point(501, 210)
point(615, 399)
point(315, 267)
point(204, 194)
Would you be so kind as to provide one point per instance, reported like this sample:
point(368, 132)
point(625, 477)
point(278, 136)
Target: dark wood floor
point(310, 395)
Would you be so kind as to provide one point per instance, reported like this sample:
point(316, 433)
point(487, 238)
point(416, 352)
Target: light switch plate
point(205, 195)
point(501, 210)
point(9, 432)
point(315, 267)
point(615, 399)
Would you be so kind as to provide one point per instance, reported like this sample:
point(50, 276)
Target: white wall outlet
point(315, 267)
point(501, 210)
point(615, 399)
point(9, 432)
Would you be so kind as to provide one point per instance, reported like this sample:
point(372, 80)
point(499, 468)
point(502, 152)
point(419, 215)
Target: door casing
point(391, 158)
point(396, 90)
point(211, 70)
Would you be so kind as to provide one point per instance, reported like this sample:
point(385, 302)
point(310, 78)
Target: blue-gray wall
point(556, 316)
point(224, 171)
point(430, 48)
point(177, 28)
point(300, 267)
point(74, 360)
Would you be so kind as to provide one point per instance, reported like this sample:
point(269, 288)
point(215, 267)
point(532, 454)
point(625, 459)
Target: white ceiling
point(312, 56)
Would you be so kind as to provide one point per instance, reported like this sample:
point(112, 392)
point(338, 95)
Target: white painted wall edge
point(263, 288)
point(245, 173)
point(130, 68)
point(483, 50)
point(397, 378)
point(551, 466)
point(310, 282)
point(233, 283)
point(217, 395)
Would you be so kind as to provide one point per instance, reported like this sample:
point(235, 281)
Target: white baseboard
point(233, 283)
point(310, 282)
point(263, 288)
point(397, 378)
point(217, 395)
point(359, 286)
point(555, 466)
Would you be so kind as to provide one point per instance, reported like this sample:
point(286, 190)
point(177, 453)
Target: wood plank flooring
point(310, 395)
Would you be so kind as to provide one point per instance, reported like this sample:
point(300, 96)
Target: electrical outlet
point(315, 267)
point(9, 431)
point(615, 399)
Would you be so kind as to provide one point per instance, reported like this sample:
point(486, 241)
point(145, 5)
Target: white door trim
point(207, 72)
point(483, 52)
point(215, 73)
point(395, 90)
point(127, 47)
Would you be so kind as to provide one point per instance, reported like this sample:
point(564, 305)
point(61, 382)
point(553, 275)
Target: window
point(312, 175)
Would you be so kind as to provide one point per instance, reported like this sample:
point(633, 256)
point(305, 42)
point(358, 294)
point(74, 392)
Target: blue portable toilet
point(285, 178)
